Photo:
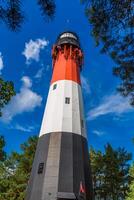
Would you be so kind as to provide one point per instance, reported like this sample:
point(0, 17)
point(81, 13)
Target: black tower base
point(61, 165)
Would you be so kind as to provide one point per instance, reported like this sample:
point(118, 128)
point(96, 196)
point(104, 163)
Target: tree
point(12, 15)
point(15, 171)
point(130, 195)
point(2, 145)
point(112, 25)
point(6, 92)
point(110, 173)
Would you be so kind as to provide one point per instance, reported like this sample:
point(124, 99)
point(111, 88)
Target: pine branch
point(47, 8)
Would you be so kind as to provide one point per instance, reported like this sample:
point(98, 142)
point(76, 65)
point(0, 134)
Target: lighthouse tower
point(61, 165)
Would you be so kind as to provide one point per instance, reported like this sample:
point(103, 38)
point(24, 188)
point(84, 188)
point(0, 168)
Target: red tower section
point(70, 59)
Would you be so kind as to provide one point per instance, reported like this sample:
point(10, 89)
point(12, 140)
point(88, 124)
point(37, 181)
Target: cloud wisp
point(98, 133)
point(23, 128)
point(85, 84)
point(1, 62)
point(24, 101)
point(39, 73)
point(33, 48)
point(113, 103)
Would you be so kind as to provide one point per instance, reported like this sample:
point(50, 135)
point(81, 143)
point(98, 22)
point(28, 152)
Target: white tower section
point(64, 109)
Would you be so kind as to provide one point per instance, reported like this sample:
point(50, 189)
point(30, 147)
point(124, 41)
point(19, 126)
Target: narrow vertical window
point(82, 123)
point(67, 100)
point(40, 168)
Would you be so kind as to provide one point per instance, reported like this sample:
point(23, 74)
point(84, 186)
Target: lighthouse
point(60, 169)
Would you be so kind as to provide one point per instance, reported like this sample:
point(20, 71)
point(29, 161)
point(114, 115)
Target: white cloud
point(114, 103)
point(1, 62)
point(33, 48)
point(85, 84)
point(26, 81)
point(98, 133)
point(24, 101)
point(24, 129)
point(39, 73)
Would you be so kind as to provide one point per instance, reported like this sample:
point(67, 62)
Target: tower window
point(40, 168)
point(67, 100)
point(54, 86)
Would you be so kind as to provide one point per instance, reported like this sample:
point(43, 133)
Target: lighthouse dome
point(68, 37)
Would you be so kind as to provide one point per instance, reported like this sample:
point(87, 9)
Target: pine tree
point(110, 173)
point(15, 171)
point(2, 145)
point(12, 15)
point(112, 25)
point(130, 195)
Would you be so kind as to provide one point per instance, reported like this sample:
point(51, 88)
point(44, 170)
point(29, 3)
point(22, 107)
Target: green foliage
point(15, 171)
point(6, 92)
point(130, 195)
point(12, 15)
point(110, 172)
point(112, 24)
point(2, 145)
point(47, 7)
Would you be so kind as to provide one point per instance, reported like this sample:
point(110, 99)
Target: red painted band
point(65, 69)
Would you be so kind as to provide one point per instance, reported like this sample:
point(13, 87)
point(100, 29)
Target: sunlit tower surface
point(61, 164)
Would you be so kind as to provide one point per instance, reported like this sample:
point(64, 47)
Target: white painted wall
point(61, 117)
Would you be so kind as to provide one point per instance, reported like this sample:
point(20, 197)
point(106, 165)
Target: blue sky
point(25, 58)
